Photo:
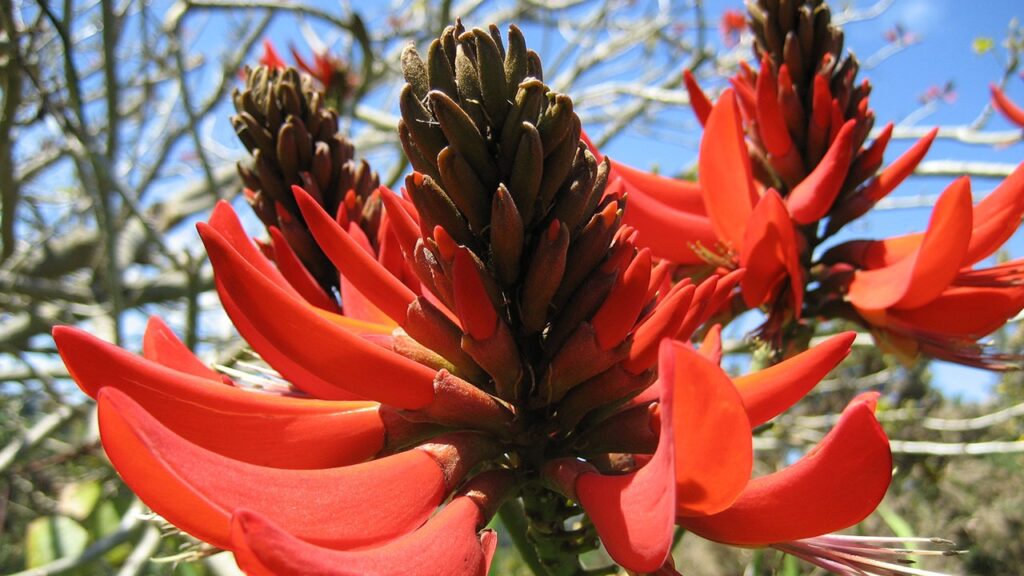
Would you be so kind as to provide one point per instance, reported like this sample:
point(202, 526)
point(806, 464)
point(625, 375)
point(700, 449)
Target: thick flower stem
point(514, 520)
point(558, 548)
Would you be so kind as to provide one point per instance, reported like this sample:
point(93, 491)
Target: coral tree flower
point(784, 164)
point(535, 352)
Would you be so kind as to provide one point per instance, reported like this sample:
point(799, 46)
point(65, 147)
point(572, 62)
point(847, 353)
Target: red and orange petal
point(342, 363)
point(769, 392)
point(448, 543)
point(836, 485)
point(199, 490)
point(996, 217)
point(711, 431)
point(249, 426)
point(633, 513)
point(923, 275)
point(724, 172)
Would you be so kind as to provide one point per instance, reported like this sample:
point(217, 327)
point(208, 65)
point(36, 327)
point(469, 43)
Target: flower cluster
point(504, 343)
point(785, 164)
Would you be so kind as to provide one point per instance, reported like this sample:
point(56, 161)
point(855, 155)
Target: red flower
point(731, 25)
point(533, 352)
point(905, 290)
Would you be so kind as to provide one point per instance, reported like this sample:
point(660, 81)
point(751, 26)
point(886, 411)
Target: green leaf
point(982, 45)
point(79, 499)
point(50, 538)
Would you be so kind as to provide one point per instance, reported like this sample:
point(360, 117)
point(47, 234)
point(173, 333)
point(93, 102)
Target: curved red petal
point(160, 345)
point(621, 308)
point(921, 277)
point(669, 233)
point(965, 312)
point(633, 513)
point(198, 490)
point(672, 192)
point(225, 221)
point(447, 544)
point(356, 304)
point(711, 346)
point(296, 273)
point(997, 217)
point(837, 484)
point(287, 328)
point(812, 198)
point(724, 171)
point(713, 446)
point(769, 392)
point(769, 253)
point(353, 262)
point(1006, 106)
point(254, 427)
point(698, 99)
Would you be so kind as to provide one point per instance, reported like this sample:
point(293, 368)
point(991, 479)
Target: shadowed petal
point(447, 544)
point(296, 273)
point(713, 447)
point(724, 172)
point(769, 392)
point(198, 490)
point(837, 484)
point(811, 199)
point(274, 322)
point(254, 427)
point(769, 253)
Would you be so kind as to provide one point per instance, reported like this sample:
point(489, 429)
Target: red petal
point(353, 262)
point(901, 168)
point(225, 221)
point(677, 194)
point(711, 346)
point(714, 450)
point(997, 217)
point(724, 172)
point(769, 392)
point(698, 99)
point(297, 274)
point(244, 425)
point(669, 233)
point(770, 121)
point(769, 253)
point(160, 345)
point(447, 544)
point(812, 198)
point(621, 308)
point(837, 484)
point(356, 304)
point(633, 513)
point(1006, 106)
point(289, 333)
point(198, 490)
point(964, 312)
point(922, 276)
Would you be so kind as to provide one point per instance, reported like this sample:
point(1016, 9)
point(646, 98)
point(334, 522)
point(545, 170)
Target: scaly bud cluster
point(519, 239)
point(294, 140)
